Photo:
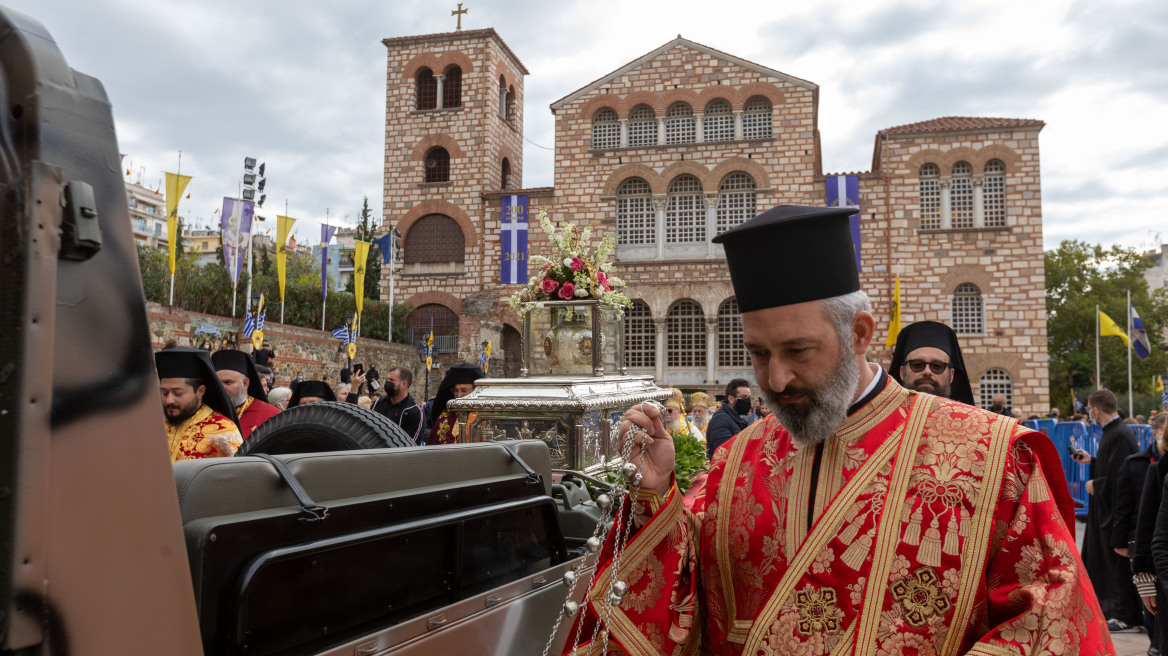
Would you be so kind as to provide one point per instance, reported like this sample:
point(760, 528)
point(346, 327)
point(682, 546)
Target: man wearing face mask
point(730, 419)
point(398, 405)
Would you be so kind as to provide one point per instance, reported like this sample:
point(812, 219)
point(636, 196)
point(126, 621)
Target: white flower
point(581, 292)
point(567, 261)
point(597, 292)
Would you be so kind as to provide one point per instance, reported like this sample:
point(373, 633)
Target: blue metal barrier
point(1143, 433)
point(1086, 437)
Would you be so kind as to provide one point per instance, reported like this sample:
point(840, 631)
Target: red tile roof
point(459, 34)
point(962, 124)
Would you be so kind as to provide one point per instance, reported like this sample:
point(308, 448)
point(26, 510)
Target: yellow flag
point(283, 227)
point(894, 321)
point(1107, 328)
point(175, 186)
point(360, 256)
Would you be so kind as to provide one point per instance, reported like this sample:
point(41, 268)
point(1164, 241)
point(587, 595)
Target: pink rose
point(577, 264)
point(567, 291)
point(548, 286)
point(603, 280)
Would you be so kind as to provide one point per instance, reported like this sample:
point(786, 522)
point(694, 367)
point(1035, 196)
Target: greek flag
point(260, 320)
point(1163, 393)
point(344, 333)
point(1139, 336)
point(1075, 402)
point(249, 325)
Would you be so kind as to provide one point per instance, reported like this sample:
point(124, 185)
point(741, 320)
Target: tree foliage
point(1080, 276)
point(367, 231)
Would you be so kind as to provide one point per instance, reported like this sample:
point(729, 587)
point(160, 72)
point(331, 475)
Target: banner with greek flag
point(844, 191)
point(344, 333)
point(513, 262)
point(249, 325)
point(1139, 336)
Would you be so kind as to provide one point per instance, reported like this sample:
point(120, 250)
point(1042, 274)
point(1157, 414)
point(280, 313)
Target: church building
point(675, 147)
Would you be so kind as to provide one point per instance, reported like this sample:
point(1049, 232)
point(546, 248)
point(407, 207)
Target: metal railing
point(442, 343)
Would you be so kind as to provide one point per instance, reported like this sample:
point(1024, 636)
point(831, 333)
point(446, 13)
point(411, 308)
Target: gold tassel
point(964, 523)
point(855, 555)
point(912, 534)
point(849, 534)
point(951, 536)
point(929, 552)
point(1037, 488)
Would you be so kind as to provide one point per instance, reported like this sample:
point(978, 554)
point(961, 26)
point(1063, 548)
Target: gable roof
point(962, 124)
point(653, 54)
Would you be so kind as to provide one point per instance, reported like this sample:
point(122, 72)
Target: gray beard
point(827, 408)
point(673, 425)
point(241, 399)
point(705, 421)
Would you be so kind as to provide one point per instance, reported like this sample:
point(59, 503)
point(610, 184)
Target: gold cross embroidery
point(817, 612)
point(920, 596)
point(458, 12)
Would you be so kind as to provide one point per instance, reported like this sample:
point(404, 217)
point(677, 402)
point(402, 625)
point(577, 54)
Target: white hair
point(842, 310)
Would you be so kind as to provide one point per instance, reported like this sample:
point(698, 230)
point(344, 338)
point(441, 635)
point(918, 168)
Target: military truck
point(106, 548)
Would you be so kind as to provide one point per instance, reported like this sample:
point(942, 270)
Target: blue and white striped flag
point(344, 334)
point(1139, 336)
point(249, 325)
point(844, 191)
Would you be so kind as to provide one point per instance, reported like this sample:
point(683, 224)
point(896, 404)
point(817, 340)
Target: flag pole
point(389, 330)
point(1098, 380)
point(324, 281)
point(1131, 393)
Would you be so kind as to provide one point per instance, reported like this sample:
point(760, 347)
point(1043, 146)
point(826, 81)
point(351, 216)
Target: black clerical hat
point(183, 362)
point(241, 362)
point(939, 336)
point(456, 375)
point(791, 254)
point(317, 388)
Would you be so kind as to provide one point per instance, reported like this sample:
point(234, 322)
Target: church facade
point(674, 147)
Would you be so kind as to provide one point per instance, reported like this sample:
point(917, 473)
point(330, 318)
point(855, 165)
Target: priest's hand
point(1082, 457)
point(652, 450)
point(1091, 488)
point(1123, 552)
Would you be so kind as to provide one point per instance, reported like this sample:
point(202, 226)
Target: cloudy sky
point(301, 85)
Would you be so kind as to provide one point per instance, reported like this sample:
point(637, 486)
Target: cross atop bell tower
point(459, 12)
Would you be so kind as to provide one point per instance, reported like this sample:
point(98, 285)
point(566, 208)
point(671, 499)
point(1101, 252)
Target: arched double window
point(731, 352)
point(718, 121)
point(929, 186)
point(736, 201)
point(437, 165)
point(605, 129)
point(685, 213)
point(680, 127)
point(992, 383)
point(452, 87)
point(961, 195)
point(426, 86)
point(993, 187)
point(435, 238)
point(640, 336)
point(756, 118)
point(685, 335)
point(635, 218)
point(642, 126)
point(967, 310)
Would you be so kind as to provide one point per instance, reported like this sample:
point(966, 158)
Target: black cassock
point(1110, 572)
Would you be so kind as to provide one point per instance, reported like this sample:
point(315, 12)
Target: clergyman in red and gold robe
point(254, 412)
point(206, 434)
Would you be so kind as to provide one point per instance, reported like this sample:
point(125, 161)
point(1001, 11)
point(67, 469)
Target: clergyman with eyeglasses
point(928, 359)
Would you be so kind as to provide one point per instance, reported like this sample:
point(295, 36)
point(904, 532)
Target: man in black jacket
point(398, 405)
point(729, 420)
point(1108, 570)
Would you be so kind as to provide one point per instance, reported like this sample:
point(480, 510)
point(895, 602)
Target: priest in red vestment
point(237, 371)
point(458, 382)
point(200, 418)
point(860, 517)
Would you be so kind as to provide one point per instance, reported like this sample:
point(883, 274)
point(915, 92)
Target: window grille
point(735, 201)
point(718, 121)
point(756, 118)
point(502, 97)
point(992, 383)
point(640, 336)
point(435, 238)
point(452, 88)
point(930, 191)
point(605, 130)
point(636, 220)
point(731, 352)
point(440, 318)
point(679, 124)
point(438, 165)
point(642, 126)
point(961, 195)
point(427, 87)
point(967, 310)
point(685, 335)
point(994, 194)
point(685, 215)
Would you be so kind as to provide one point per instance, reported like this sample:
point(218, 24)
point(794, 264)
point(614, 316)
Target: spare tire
point(326, 426)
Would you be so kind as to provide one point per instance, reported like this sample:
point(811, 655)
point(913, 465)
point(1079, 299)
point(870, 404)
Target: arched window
point(511, 103)
point(640, 336)
point(439, 318)
point(685, 335)
point(437, 165)
point(685, 215)
point(635, 218)
point(961, 195)
point(427, 88)
point(731, 352)
point(679, 124)
point(992, 383)
point(505, 178)
point(642, 126)
point(756, 118)
point(502, 97)
point(994, 194)
point(435, 238)
point(930, 191)
point(718, 121)
point(967, 310)
point(605, 129)
point(735, 201)
point(452, 88)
